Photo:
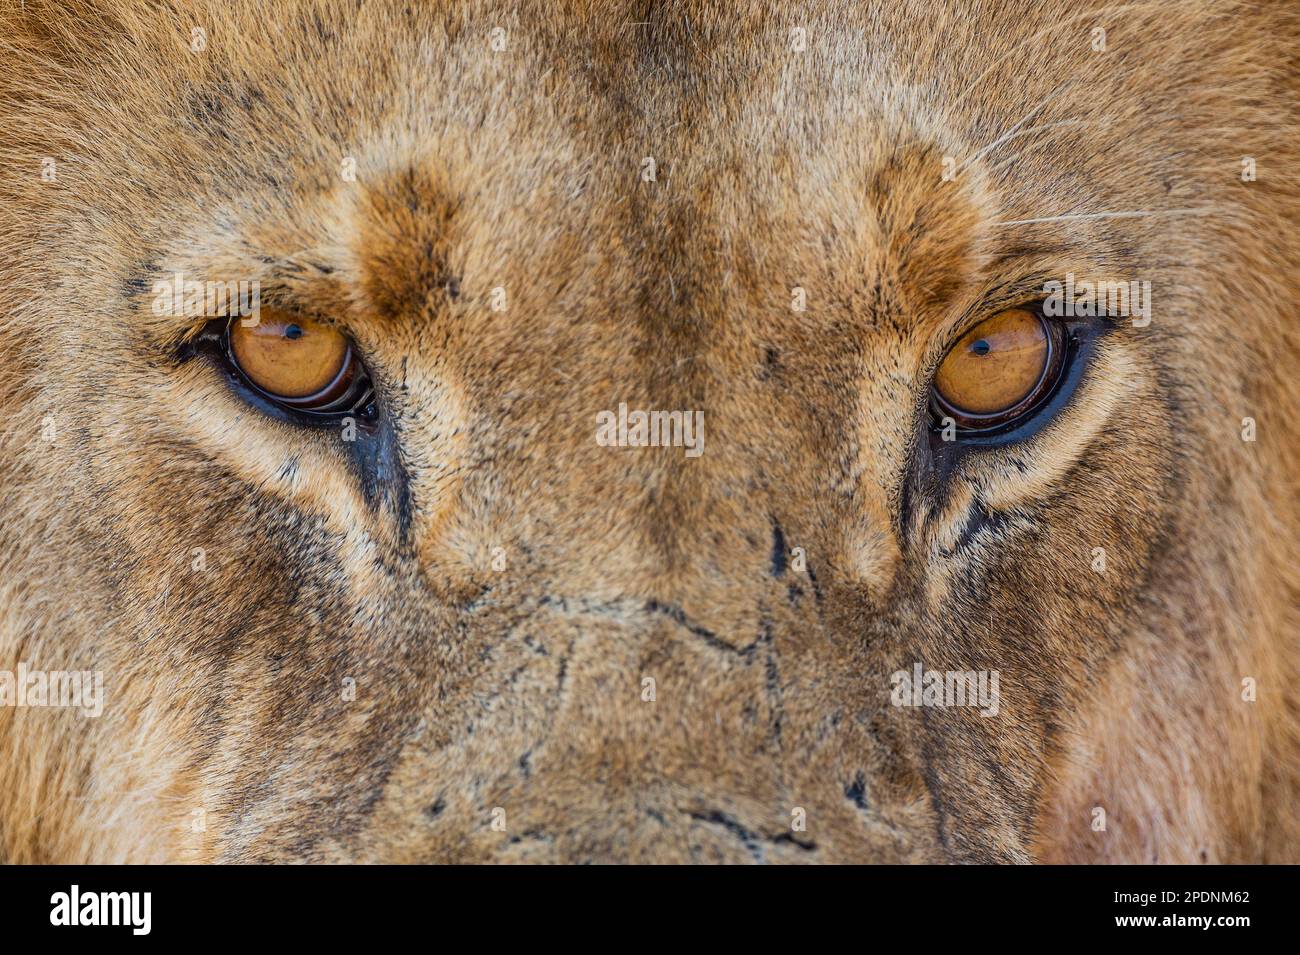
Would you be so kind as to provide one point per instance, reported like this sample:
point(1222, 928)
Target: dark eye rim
point(968, 424)
point(350, 394)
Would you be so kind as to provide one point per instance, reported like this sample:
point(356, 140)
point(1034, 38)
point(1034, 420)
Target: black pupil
point(980, 347)
point(293, 332)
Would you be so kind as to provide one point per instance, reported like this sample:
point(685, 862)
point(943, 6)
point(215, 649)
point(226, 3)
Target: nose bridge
point(642, 668)
point(587, 467)
point(871, 534)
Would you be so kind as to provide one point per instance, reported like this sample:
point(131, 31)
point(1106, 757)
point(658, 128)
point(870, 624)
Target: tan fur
point(520, 688)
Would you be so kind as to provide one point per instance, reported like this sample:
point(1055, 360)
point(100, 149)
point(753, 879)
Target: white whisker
point(1136, 214)
point(1015, 131)
point(1059, 27)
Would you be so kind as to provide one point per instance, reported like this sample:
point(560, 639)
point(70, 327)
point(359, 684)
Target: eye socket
point(1000, 371)
point(299, 363)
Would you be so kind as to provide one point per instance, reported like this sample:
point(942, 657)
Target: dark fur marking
point(136, 285)
point(856, 791)
point(772, 676)
point(752, 841)
point(812, 578)
point(932, 784)
point(977, 521)
point(778, 550)
point(378, 459)
point(708, 636)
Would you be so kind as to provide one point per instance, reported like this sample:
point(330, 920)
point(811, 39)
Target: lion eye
point(999, 371)
point(299, 363)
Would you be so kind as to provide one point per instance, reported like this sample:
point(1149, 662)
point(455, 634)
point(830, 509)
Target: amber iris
point(298, 361)
point(998, 370)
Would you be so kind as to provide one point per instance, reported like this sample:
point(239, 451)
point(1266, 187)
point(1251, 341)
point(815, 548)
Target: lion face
point(476, 610)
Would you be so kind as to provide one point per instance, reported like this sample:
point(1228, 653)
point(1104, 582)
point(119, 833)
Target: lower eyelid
point(240, 391)
point(1112, 378)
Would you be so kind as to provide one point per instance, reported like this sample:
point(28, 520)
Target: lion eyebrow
point(1026, 247)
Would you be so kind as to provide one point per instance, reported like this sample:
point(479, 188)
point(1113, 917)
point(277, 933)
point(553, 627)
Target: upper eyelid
point(171, 332)
point(1024, 290)
point(1013, 286)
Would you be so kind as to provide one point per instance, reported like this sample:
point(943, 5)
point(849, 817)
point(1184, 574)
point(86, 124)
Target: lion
point(688, 432)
